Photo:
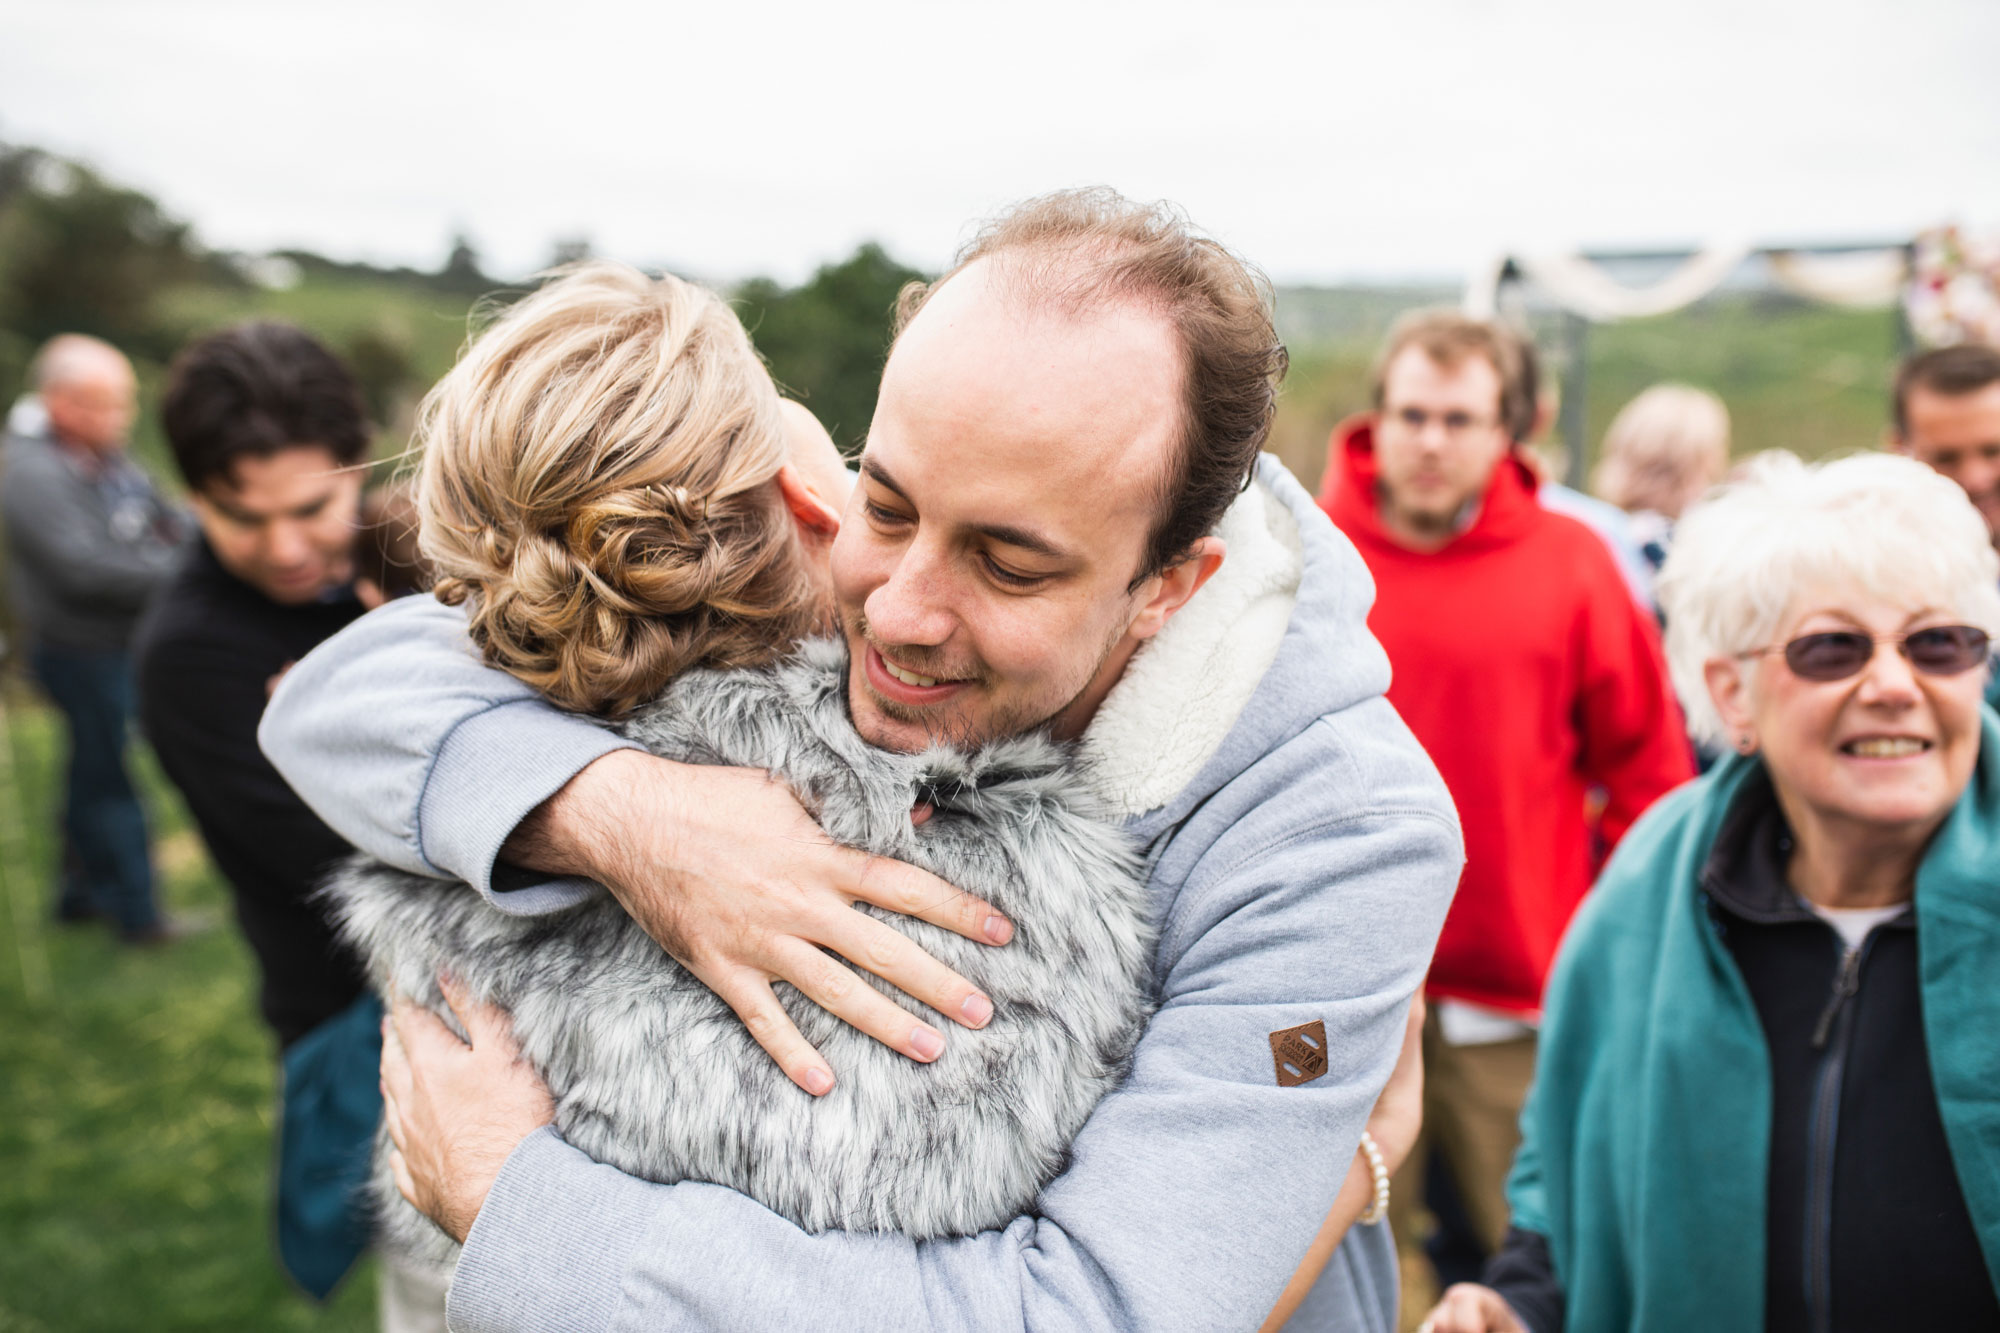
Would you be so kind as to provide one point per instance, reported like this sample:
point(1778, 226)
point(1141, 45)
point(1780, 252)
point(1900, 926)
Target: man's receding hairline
point(1092, 285)
point(1447, 358)
point(1021, 272)
point(69, 358)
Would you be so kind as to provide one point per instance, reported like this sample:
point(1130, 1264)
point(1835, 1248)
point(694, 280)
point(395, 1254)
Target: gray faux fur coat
point(655, 1076)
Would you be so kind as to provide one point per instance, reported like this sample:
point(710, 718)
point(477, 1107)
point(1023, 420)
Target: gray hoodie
point(1302, 856)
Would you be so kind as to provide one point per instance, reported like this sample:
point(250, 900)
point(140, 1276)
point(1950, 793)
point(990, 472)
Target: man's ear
point(809, 508)
point(1172, 586)
point(1729, 690)
point(1893, 441)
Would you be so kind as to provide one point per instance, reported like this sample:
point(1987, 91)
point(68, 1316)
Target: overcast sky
point(1325, 140)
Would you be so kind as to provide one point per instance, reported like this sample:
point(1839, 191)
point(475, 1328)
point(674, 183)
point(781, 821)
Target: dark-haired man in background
point(269, 432)
point(1947, 417)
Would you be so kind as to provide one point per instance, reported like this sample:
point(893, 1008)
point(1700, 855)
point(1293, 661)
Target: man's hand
point(454, 1111)
point(1471, 1308)
point(727, 872)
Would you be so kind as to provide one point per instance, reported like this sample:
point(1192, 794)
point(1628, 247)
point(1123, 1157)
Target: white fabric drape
point(1866, 279)
point(1580, 286)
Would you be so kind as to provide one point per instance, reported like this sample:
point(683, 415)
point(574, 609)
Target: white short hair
point(1872, 524)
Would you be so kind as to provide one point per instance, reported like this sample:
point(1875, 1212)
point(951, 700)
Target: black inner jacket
point(205, 655)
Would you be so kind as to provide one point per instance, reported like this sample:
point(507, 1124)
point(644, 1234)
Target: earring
point(1745, 744)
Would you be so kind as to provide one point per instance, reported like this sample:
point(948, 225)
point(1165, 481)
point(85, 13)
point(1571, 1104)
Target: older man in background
point(89, 541)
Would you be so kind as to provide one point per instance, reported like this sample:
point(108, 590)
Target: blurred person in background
point(1765, 1095)
point(1663, 450)
point(1946, 409)
point(1547, 459)
point(270, 434)
point(89, 541)
point(387, 561)
point(1531, 675)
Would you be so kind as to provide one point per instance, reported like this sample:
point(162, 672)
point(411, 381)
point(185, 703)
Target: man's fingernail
point(976, 1009)
point(927, 1044)
point(999, 929)
point(818, 1082)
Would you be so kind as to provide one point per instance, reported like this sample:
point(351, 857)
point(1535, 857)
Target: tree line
point(82, 253)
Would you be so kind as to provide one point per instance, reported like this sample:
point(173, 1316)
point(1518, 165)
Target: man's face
point(1959, 435)
point(284, 524)
point(94, 409)
point(1437, 442)
point(1010, 480)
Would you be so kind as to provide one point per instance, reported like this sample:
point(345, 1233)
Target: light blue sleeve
point(1613, 527)
point(418, 753)
point(1191, 1194)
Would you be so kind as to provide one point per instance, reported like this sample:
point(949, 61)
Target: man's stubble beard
point(957, 732)
point(1430, 523)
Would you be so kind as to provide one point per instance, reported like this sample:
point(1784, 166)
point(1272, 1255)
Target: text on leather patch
point(1299, 1053)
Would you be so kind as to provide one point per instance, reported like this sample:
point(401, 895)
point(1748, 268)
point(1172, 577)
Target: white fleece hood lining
point(1185, 688)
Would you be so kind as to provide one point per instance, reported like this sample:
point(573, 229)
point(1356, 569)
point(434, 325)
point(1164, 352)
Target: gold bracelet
point(1378, 1208)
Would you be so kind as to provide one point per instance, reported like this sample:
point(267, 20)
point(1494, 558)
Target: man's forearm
point(575, 831)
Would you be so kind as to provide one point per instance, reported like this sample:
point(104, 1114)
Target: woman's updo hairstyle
point(593, 489)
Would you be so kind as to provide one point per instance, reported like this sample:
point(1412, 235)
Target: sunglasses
point(1942, 650)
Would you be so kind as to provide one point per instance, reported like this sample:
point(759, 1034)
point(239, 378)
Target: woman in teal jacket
point(1768, 1090)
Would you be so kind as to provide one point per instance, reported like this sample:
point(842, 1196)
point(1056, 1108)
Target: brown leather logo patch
point(1299, 1054)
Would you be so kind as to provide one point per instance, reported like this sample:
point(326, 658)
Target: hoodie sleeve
point(415, 751)
point(1635, 744)
point(1192, 1191)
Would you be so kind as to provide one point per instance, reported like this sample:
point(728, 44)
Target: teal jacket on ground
point(1646, 1139)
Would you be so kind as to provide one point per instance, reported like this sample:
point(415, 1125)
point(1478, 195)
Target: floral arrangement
point(1954, 291)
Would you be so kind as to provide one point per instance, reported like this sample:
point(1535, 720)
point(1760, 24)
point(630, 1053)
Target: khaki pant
point(1472, 1115)
point(412, 1298)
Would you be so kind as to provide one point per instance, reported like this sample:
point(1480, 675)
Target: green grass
point(136, 1099)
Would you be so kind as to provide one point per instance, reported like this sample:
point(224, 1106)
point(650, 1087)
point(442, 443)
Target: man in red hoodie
point(1526, 668)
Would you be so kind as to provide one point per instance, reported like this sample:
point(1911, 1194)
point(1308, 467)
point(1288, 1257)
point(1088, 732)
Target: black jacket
point(205, 655)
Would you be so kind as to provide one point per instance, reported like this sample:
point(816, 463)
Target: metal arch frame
point(1575, 336)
